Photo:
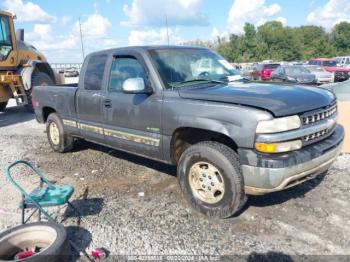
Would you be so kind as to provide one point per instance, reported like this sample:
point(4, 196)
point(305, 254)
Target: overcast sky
point(52, 26)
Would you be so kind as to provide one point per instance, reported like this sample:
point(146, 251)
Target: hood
point(336, 69)
point(323, 74)
point(280, 100)
point(303, 77)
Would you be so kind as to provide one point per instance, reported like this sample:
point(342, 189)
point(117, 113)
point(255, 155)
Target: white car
point(343, 61)
point(322, 76)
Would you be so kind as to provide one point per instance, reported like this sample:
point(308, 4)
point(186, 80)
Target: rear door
point(90, 97)
point(132, 121)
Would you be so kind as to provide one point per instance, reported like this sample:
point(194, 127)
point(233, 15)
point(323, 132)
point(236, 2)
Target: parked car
point(331, 65)
point(263, 71)
point(71, 72)
point(343, 61)
point(322, 76)
point(227, 139)
point(294, 74)
point(247, 71)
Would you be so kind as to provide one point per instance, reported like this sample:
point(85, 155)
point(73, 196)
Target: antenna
point(81, 40)
point(167, 28)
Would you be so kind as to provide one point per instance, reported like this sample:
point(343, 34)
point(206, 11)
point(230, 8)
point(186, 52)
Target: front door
point(132, 121)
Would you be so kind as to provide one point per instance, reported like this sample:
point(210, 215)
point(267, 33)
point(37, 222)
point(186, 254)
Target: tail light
point(265, 72)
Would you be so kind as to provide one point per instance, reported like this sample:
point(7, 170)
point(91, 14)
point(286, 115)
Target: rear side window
point(94, 72)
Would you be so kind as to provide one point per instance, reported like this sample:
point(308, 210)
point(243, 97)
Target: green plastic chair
point(47, 195)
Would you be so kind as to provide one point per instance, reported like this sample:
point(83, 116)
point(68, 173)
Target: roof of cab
point(145, 48)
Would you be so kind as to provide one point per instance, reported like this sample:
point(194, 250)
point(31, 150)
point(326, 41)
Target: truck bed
point(58, 97)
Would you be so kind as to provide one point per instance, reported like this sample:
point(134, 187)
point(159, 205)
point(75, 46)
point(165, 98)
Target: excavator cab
point(8, 46)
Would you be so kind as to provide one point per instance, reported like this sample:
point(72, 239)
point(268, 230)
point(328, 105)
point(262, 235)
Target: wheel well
point(47, 111)
point(186, 136)
point(45, 68)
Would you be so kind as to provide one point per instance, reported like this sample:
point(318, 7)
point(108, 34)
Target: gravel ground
point(133, 206)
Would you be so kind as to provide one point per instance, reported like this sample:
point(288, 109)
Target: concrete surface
point(133, 206)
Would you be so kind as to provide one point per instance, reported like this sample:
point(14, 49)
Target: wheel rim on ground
point(206, 182)
point(36, 238)
point(54, 133)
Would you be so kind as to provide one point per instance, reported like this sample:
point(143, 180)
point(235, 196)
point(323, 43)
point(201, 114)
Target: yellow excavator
point(22, 66)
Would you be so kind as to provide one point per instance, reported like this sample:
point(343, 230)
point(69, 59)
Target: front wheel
point(58, 139)
point(211, 180)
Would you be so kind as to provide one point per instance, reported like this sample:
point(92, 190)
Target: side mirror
point(136, 86)
point(20, 35)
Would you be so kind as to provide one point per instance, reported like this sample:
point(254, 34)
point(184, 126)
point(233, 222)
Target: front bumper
point(270, 173)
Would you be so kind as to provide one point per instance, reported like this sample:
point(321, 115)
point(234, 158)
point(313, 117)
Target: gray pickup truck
point(188, 107)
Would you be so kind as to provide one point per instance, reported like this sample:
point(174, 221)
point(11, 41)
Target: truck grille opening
point(341, 75)
point(316, 136)
point(319, 115)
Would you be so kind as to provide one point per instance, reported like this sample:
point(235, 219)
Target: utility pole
point(81, 40)
point(167, 29)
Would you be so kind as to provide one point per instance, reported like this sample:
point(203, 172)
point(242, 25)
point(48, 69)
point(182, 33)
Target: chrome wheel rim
point(54, 133)
point(206, 182)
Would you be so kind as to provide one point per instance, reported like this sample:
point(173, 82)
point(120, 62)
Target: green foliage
point(274, 41)
point(341, 37)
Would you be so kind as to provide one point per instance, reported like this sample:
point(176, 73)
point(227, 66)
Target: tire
point(38, 79)
point(225, 161)
point(58, 139)
point(51, 237)
point(3, 106)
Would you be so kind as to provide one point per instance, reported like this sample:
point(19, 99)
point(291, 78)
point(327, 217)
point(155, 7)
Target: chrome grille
point(319, 115)
point(316, 136)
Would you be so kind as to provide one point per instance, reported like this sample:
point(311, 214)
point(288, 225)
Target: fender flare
point(31, 66)
point(225, 128)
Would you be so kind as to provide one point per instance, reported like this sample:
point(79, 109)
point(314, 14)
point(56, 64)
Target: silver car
point(322, 76)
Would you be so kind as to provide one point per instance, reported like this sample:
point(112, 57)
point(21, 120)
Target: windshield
point(5, 38)
point(296, 70)
point(271, 66)
point(182, 67)
point(330, 63)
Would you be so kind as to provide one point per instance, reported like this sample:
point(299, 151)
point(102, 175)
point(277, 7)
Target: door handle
point(108, 103)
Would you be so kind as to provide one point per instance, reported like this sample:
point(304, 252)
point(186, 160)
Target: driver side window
point(5, 38)
point(122, 69)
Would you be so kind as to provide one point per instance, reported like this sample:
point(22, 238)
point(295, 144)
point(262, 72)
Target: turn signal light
point(278, 147)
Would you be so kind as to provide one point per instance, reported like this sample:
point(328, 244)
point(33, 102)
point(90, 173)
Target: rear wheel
point(210, 178)
point(34, 242)
point(58, 139)
point(38, 79)
point(3, 106)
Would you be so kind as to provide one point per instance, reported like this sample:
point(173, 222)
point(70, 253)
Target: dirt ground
point(133, 206)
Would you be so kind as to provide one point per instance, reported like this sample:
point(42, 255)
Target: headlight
point(279, 147)
point(278, 125)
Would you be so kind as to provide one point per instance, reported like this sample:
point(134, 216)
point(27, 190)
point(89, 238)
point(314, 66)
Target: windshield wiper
point(198, 80)
point(234, 78)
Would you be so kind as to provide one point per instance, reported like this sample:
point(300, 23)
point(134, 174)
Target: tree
point(281, 43)
point(274, 41)
point(341, 38)
point(314, 42)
